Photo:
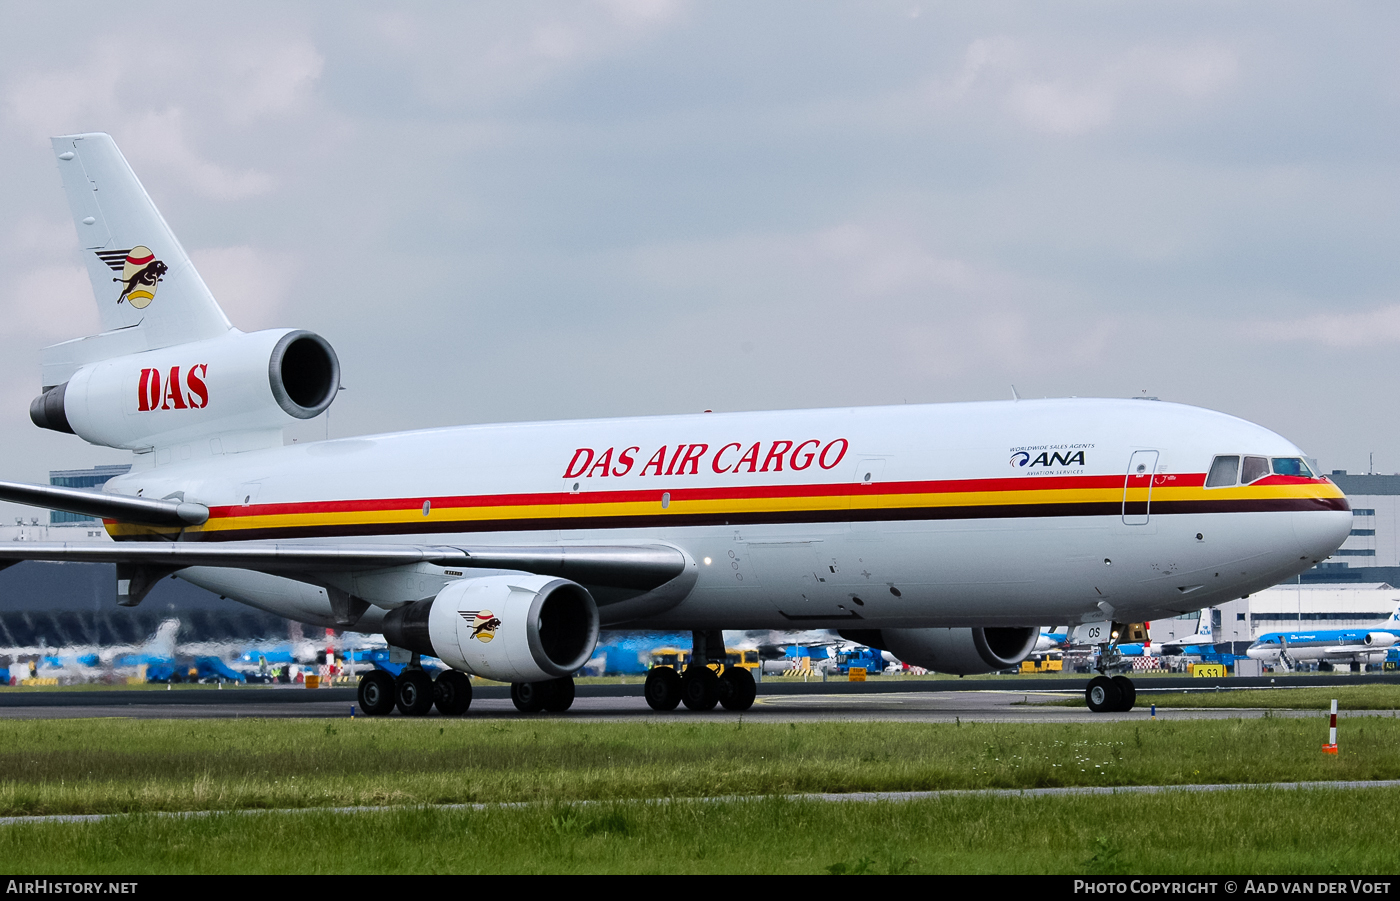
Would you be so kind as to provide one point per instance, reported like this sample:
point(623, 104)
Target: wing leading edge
point(142, 563)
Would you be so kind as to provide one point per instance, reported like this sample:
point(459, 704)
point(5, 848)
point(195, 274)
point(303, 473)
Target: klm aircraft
point(1368, 645)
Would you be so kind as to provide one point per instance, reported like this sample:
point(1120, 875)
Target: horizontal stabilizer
point(140, 510)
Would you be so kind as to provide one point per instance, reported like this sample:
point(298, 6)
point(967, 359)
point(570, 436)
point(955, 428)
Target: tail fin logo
point(140, 274)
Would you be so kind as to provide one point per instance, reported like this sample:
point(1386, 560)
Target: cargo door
point(1137, 487)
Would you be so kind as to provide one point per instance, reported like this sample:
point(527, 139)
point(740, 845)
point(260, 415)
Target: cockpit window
point(1291, 466)
point(1223, 471)
point(1255, 468)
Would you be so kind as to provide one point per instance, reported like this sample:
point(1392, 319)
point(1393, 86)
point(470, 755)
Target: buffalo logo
point(140, 273)
point(484, 624)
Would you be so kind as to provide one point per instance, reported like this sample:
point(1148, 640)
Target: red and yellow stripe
point(667, 507)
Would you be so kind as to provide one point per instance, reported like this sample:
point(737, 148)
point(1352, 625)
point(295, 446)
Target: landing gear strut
point(1111, 691)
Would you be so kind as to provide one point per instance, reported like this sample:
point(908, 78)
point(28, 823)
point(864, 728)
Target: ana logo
point(140, 273)
point(484, 624)
point(1047, 459)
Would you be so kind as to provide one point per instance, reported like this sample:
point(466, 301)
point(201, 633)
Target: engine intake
point(962, 652)
point(523, 628)
point(304, 374)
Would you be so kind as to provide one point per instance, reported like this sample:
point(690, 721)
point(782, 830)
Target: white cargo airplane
point(945, 534)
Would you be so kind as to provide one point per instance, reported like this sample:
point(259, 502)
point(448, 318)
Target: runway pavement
point(1009, 700)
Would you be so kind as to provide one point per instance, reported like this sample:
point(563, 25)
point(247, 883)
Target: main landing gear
point(1111, 691)
point(701, 688)
point(553, 695)
point(414, 692)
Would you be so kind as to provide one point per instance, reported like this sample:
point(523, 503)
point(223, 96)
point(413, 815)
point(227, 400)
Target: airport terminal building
point(1372, 552)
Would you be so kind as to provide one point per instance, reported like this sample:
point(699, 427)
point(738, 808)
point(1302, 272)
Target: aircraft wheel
point(376, 693)
point(452, 693)
point(531, 697)
point(561, 696)
point(1102, 695)
point(1127, 693)
point(663, 689)
point(413, 691)
point(699, 688)
point(737, 689)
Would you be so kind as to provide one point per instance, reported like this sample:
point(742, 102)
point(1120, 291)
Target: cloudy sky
point(502, 211)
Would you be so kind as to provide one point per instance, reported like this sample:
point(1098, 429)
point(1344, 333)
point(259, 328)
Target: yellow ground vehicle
point(676, 658)
point(1049, 663)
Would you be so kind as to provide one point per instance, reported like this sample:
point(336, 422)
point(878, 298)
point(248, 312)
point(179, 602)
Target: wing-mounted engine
point(512, 628)
point(246, 386)
point(961, 652)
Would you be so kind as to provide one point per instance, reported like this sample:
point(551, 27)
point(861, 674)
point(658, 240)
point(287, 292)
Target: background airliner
point(1368, 645)
point(944, 534)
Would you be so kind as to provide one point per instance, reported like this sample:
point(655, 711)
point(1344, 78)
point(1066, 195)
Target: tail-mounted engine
point(961, 652)
point(236, 383)
point(521, 628)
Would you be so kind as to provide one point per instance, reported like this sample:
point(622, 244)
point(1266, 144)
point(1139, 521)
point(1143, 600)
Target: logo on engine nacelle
point(484, 624)
point(189, 393)
point(140, 273)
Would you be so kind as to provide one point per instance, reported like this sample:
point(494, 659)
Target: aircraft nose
point(1320, 532)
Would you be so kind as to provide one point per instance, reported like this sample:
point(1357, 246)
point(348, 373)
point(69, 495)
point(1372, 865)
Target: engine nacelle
point(521, 628)
point(962, 652)
point(239, 382)
point(1380, 639)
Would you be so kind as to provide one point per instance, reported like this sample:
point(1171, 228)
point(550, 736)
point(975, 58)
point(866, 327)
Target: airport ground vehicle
point(946, 534)
point(1043, 663)
point(867, 658)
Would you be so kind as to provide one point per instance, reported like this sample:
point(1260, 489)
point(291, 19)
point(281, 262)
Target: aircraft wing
point(1351, 650)
point(636, 566)
point(173, 511)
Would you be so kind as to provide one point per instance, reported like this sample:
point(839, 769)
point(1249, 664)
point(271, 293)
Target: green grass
point(1349, 697)
point(120, 765)
point(1259, 831)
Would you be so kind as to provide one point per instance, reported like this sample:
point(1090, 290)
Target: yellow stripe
point(720, 506)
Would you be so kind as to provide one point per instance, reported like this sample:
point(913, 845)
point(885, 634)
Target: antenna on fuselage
point(1014, 395)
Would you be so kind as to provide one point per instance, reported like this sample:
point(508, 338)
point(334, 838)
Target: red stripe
point(648, 495)
point(140, 262)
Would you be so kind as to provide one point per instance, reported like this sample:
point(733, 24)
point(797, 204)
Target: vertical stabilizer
point(144, 283)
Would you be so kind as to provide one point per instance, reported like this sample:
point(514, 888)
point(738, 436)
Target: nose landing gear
point(1110, 695)
point(1111, 691)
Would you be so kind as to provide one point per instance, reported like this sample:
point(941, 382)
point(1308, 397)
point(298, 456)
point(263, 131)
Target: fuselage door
point(1137, 487)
